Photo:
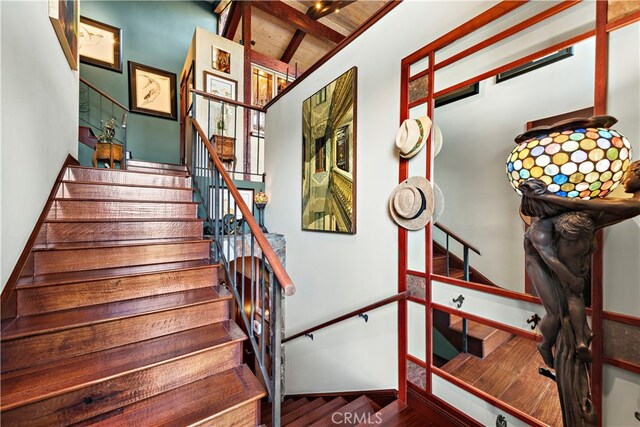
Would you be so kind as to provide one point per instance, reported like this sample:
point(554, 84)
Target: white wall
point(622, 241)
point(39, 110)
point(338, 273)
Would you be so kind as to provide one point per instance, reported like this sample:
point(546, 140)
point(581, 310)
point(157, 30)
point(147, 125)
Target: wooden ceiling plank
point(301, 21)
point(233, 21)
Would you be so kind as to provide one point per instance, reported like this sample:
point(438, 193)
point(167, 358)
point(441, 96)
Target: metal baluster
point(465, 323)
point(447, 258)
point(276, 327)
point(263, 346)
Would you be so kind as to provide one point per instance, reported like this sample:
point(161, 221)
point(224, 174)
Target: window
point(321, 154)
point(321, 95)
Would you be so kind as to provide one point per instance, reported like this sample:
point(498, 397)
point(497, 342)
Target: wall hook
point(501, 421)
point(364, 316)
point(459, 300)
point(534, 320)
point(309, 335)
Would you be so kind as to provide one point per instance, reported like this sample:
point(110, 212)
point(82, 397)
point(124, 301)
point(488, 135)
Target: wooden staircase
point(481, 339)
point(120, 319)
point(510, 373)
point(338, 411)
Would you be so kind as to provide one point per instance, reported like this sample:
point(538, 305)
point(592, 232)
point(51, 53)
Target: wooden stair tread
point(41, 382)
point(24, 326)
point(194, 402)
point(119, 184)
point(362, 407)
point(107, 273)
point(318, 413)
point(287, 406)
point(63, 246)
point(158, 171)
point(452, 364)
point(386, 414)
point(118, 201)
point(297, 413)
point(84, 173)
point(156, 165)
point(474, 329)
point(110, 220)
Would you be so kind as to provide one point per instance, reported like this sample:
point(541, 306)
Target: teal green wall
point(154, 33)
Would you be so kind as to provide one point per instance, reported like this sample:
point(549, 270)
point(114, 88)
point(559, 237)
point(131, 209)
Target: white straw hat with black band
point(411, 203)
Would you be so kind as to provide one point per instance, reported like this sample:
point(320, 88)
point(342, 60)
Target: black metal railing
point(96, 108)
point(236, 130)
point(256, 275)
point(466, 247)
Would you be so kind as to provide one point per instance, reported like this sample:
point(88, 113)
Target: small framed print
point(220, 86)
point(152, 91)
point(100, 44)
point(220, 60)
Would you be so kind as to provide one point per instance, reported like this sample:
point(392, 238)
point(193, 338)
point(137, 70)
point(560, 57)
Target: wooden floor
point(336, 411)
point(510, 374)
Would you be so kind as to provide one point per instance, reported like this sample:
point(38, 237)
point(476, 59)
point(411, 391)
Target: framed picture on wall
point(220, 86)
point(152, 91)
point(329, 157)
point(63, 15)
point(220, 60)
point(100, 44)
point(222, 121)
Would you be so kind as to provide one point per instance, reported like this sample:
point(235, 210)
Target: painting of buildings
point(329, 157)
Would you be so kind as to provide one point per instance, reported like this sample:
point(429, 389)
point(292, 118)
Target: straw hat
point(411, 203)
point(412, 135)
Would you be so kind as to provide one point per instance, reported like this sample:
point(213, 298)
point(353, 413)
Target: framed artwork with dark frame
point(329, 157)
point(63, 15)
point(100, 44)
point(152, 91)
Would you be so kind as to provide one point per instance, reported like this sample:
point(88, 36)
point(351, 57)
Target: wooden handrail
point(382, 302)
point(278, 269)
point(227, 101)
point(457, 238)
point(104, 94)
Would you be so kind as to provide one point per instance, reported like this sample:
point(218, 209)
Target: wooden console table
point(108, 152)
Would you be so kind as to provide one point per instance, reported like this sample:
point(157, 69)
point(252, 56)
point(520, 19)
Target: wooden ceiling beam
point(314, 12)
point(233, 21)
point(299, 20)
point(272, 64)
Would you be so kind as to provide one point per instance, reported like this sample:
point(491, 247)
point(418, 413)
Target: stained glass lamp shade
point(575, 158)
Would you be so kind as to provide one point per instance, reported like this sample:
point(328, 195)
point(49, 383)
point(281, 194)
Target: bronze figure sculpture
point(558, 248)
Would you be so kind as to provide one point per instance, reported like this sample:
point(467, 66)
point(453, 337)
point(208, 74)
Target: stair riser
point(95, 399)
point(154, 165)
point(70, 232)
point(64, 261)
point(39, 349)
point(52, 298)
point(77, 209)
point(132, 178)
point(71, 190)
point(171, 172)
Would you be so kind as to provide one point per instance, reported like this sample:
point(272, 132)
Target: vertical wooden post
point(600, 107)
point(402, 252)
point(428, 231)
point(246, 38)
